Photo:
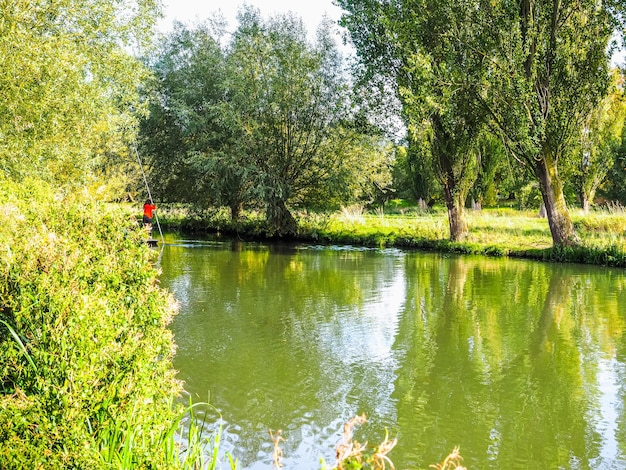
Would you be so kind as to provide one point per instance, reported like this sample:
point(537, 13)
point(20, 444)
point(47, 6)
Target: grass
point(185, 444)
point(492, 232)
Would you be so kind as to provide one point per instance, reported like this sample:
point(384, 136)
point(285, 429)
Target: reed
point(353, 455)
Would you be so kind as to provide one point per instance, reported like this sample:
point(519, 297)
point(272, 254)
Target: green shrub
point(84, 344)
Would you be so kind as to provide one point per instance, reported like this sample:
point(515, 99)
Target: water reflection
point(521, 364)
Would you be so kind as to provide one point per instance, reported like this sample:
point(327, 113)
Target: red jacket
point(147, 210)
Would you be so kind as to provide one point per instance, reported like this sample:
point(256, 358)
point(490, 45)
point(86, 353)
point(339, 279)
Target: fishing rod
point(156, 217)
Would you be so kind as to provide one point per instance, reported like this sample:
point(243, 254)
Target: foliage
point(192, 140)
point(616, 180)
point(615, 186)
point(287, 94)
point(68, 84)
point(352, 455)
point(493, 172)
point(423, 48)
point(413, 175)
point(262, 121)
point(451, 462)
point(362, 169)
point(86, 379)
point(600, 140)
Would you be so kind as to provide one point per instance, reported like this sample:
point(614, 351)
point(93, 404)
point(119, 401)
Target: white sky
point(191, 11)
point(311, 12)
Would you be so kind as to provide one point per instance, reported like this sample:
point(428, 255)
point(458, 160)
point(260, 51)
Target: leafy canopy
point(68, 83)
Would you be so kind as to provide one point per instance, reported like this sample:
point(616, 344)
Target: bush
point(84, 347)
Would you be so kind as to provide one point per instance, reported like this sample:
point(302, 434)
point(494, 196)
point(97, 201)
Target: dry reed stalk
point(380, 458)
point(349, 448)
point(277, 454)
point(451, 462)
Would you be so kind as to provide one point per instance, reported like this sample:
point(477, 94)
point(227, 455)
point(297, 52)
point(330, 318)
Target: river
point(521, 364)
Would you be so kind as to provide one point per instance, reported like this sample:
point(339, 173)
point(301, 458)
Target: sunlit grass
point(508, 230)
point(492, 232)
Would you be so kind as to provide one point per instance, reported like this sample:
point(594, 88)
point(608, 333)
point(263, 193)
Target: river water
point(520, 364)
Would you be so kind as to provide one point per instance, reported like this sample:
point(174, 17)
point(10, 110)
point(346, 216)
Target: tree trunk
point(235, 211)
point(584, 201)
point(587, 194)
point(456, 214)
point(456, 168)
point(561, 226)
point(279, 219)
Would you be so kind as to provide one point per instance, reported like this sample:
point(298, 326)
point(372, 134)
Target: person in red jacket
point(148, 209)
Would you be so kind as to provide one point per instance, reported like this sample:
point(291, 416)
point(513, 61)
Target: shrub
point(84, 346)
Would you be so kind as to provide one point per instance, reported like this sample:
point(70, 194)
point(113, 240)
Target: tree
point(615, 187)
point(600, 140)
point(262, 119)
point(413, 174)
point(493, 172)
point(550, 70)
point(192, 136)
point(425, 50)
point(287, 96)
point(68, 84)
point(362, 172)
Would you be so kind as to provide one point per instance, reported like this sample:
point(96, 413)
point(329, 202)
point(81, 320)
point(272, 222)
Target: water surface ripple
point(520, 364)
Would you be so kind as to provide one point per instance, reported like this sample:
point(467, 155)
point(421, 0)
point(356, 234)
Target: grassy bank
point(492, 232)
point(86, 379)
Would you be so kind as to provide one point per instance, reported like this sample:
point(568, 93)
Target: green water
point(520, 364)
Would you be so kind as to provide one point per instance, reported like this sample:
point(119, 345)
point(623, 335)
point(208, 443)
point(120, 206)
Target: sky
point(311, 12)
point(190, 11)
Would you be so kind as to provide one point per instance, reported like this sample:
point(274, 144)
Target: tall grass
point(185, 444)
point(354, 214)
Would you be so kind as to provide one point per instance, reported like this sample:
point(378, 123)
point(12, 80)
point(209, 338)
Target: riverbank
point(492, 232)
point(86, 375)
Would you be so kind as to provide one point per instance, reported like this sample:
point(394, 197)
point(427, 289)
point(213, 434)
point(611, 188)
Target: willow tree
point(550, 70)
point(287, 94)
point(68, 83)
point(191, 136)
point(425, 50)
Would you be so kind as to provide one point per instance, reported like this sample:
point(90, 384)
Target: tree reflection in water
point(520, 364)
